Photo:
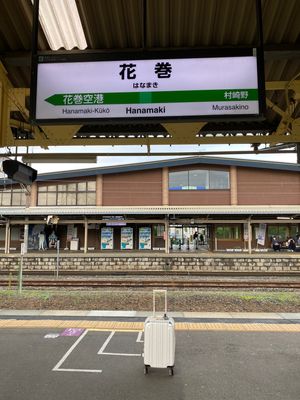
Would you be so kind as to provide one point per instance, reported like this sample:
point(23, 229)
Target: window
point(159, 230)
point(219, 179)
point(282, 232)
point(178, 180)
point(68, 194)
point(198, 179)
point(12, 197)
point(228, 232)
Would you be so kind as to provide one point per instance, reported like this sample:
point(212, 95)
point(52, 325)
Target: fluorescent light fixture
point(61, 24)
point(284, 217)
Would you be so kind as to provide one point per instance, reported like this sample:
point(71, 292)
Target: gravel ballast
point(183, 300)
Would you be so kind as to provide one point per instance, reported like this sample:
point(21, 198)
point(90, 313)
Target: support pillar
point(33, 195)
point(99, 190)
point(167, 240)
point(165, 186)
point(85, 247)
point(249, 236)
point(7, 237)
point(233, 186)
point(26, 228)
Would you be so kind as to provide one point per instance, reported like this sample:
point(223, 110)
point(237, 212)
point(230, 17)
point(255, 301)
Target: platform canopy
point(112, 26)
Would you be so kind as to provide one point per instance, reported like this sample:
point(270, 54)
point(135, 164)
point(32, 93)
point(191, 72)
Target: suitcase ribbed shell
point(159, 342)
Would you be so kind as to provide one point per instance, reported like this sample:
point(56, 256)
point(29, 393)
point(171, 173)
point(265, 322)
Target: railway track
point(138, 273)
point(138, 283)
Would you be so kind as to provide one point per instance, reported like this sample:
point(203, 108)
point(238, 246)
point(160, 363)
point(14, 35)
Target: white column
point(249, 236)
point(7, 238)
point(26, 228)
point(167, 247)
point(85, 236)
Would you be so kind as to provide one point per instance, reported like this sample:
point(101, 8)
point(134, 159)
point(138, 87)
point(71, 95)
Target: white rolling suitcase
point(159, 339)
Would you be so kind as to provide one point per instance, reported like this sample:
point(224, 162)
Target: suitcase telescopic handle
point(155, 292)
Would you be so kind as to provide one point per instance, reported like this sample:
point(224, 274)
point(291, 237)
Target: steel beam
point(12, 101)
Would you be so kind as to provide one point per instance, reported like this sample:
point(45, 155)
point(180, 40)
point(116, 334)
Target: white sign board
point(151, 88)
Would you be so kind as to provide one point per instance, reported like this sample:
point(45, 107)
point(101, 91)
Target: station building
point(232, 205)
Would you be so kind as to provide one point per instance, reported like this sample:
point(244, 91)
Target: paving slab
point(108, 366)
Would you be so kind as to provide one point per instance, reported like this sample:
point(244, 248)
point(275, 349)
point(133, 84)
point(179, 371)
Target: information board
point(158, 88)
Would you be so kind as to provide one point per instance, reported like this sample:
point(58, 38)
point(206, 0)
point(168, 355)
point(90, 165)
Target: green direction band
point(178, 96)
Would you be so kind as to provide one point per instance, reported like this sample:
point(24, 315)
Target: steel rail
point(166, 272)
point(152, 284)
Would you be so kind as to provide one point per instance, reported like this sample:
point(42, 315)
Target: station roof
point(207, 213)
point(179, 162)
point(118, 25)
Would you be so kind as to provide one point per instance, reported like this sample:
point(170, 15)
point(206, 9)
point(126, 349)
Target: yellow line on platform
point(138, 326)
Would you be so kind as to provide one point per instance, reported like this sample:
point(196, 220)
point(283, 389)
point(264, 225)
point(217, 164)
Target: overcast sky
point(117, 160)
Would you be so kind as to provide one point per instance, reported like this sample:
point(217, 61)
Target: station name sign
point(157, 88)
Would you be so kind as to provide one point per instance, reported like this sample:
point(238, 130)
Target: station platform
point(134, 320)
point(99, 354)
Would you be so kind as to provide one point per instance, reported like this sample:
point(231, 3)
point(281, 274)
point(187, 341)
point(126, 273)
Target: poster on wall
point(145, 238)
point(126, 238)
point(33, 236)
point(261, 234)
point(71, 232)
point(107, 238)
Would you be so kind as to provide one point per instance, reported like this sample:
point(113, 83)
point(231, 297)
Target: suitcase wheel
point(171, 371)
point(146, 369)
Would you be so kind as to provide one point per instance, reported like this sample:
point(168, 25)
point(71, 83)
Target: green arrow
point(56, 99)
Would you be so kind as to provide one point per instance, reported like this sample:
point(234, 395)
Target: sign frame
point(73, 57)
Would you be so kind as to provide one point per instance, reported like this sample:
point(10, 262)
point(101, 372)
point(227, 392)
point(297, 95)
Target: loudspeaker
point(19, 172)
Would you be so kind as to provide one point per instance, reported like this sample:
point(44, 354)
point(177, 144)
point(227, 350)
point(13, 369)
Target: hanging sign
point(261, 234)
point(146, 88)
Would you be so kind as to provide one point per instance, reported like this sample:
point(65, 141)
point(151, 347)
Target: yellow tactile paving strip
point(138, 326)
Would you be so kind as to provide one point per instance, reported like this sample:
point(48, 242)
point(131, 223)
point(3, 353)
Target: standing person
point(201, 239)
point(195, 240)
point(41, 240)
